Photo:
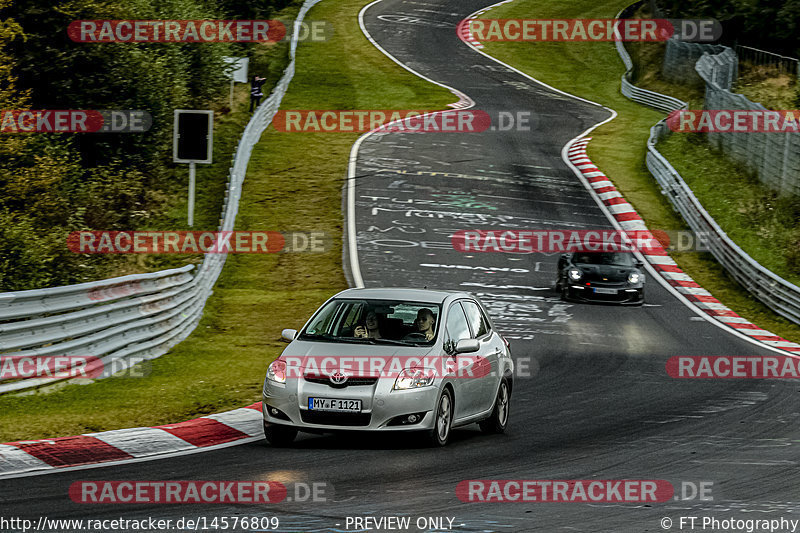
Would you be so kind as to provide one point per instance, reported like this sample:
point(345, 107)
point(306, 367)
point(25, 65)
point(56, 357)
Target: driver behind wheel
point(425, 323)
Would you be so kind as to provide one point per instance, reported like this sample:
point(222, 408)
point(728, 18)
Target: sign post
point(191, 194)
point(192, 142)
point(236, 70)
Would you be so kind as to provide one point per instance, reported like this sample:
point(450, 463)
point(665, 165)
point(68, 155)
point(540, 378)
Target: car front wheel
point(279, 435)
point(443, 419)
point(498, 420)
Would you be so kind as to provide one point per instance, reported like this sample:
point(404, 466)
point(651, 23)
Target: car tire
point(498, 420)
point(442, 420)
point(279, 435)
point(564, 295)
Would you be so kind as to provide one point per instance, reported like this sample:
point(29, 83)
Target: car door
point(487, 357)
point(456, 328)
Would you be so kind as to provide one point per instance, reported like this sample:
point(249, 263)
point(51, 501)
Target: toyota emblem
point(338, 378)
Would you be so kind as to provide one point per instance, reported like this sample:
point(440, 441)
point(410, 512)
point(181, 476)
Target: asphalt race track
point(595, 403)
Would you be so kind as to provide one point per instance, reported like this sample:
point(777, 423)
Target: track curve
point(597, 403)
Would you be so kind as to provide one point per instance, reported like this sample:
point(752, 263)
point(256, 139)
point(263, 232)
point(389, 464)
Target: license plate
point(334, 404)
point(598, 290)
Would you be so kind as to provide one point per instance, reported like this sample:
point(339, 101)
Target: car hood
point(602, 273)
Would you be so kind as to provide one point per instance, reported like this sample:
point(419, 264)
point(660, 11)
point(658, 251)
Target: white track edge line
point(199, 449)
point(614, 222)
point(355, 268)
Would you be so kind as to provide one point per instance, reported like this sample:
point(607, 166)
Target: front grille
point(607, 283)
point(609, 297)
point(589, 294)
point(335, 419)
point(351, 382)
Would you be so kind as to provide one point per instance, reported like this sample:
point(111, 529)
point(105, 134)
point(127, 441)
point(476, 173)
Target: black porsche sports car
point(601, 276)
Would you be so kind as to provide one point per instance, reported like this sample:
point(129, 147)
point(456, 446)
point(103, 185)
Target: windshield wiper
point(334, 338)
point(392, 341)
point(356, 340)
point(315, 336)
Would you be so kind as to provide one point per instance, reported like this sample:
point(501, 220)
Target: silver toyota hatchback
point(390, 360)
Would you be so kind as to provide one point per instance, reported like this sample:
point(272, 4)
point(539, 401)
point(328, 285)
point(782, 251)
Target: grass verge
point(757, 219)
point(768, 86)
point(294, 182)
point(593, 71)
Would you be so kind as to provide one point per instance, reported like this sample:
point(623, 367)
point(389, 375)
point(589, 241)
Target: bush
point(52, 184)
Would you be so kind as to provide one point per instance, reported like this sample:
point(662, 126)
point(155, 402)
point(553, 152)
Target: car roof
point(402, 293)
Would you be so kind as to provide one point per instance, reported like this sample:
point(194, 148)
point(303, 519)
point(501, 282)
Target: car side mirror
point(467, 345)
point(564, 257)
point(288, 335)
point(639, 264)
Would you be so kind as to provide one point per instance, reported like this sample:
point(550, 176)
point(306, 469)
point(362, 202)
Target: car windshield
point(625, 259)
point(375, 322)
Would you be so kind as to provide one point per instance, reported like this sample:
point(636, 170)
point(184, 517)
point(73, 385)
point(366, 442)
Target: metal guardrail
point(681, 57)
point(777, 293)
point(719, 69)
point(643, 96)
point(122, 321)
point(774, 157)
point(755, 56)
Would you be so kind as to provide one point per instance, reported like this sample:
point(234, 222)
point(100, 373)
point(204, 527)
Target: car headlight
point(575, 274)
point(276, 371)
point(634, 277)
point(413, 378)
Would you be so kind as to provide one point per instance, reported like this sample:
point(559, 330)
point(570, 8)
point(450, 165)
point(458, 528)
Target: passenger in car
point(371, 327)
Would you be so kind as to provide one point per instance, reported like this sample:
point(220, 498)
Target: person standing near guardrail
point(255, 91)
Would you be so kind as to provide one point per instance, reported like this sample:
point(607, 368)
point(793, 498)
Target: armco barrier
point(681, 57)
point(777, 293)
point(774, 157)
point(132, 318)
point(642, 96)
